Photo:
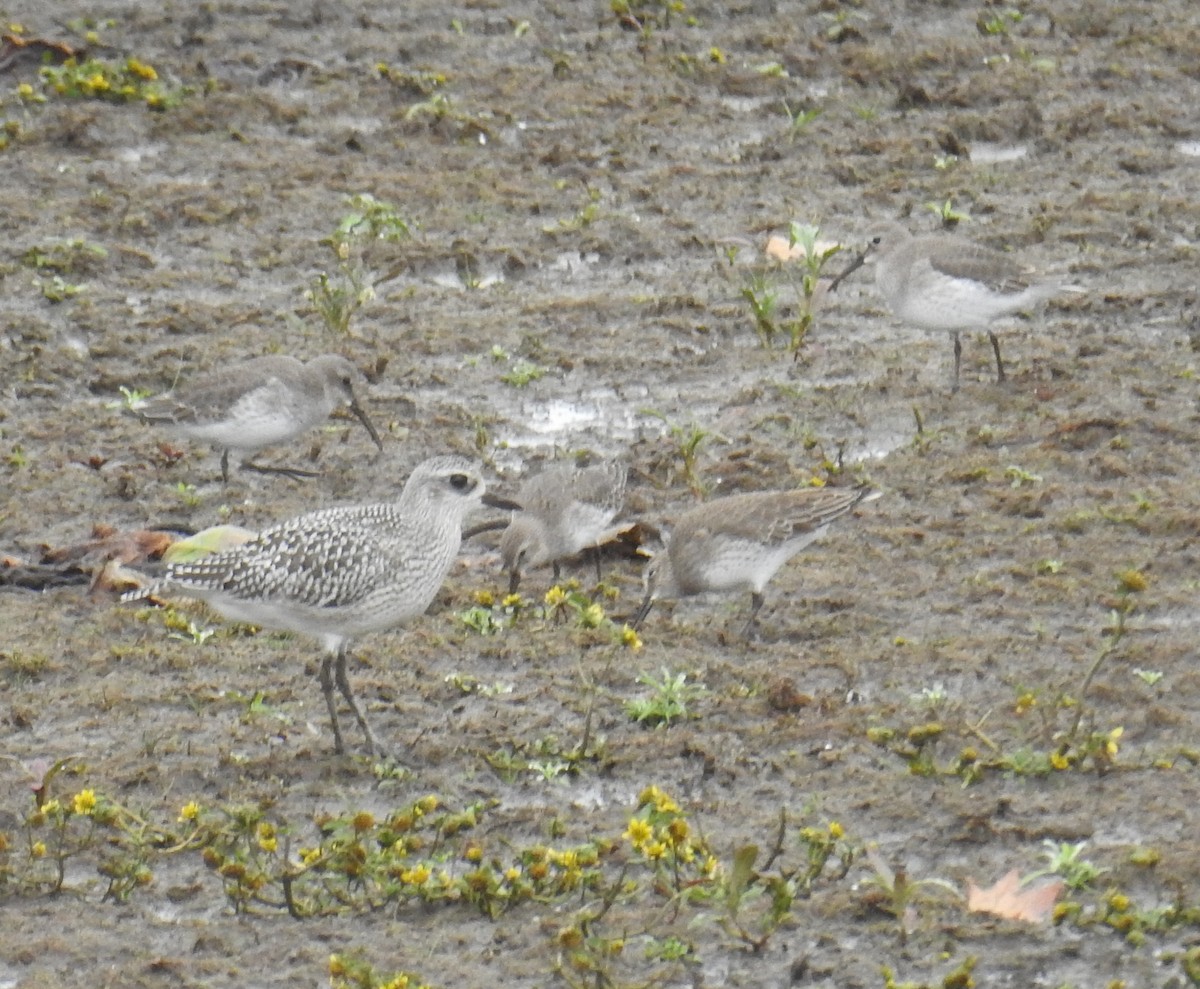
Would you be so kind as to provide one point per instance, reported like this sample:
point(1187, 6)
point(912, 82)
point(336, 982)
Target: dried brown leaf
point(1006, 899)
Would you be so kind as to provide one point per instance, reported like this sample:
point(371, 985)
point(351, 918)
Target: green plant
point(114, 81)
point(187, 494)
point(763, 299)
point(1018, 476)
point(348, 970)
point(688, 439)
point(64, 256)
point(668, 700)
point(1066, 860)
point(894, 892)
point(132, 399)
point(998, 22)
point(815, 259)
point(947, 213)
point(522, 373)
point(57, 289)
point(585, 217)
point(369, 222)
point(799, 120)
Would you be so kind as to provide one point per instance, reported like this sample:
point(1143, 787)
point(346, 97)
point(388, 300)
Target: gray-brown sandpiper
point(342, 572)
point(564, 509)
point(740, 541)
point(261, 402)
point(941, 282)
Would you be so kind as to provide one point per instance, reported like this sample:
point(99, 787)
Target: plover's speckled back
point(341, 572)
point(739, 542)
point(565, 509)
point(261, 402)
point(943, 282)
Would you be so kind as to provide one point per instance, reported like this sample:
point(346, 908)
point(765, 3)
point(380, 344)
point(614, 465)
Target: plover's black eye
point(460, 482)
point(876, 240)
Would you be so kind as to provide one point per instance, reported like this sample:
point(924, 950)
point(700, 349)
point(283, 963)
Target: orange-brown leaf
point(1006, 899)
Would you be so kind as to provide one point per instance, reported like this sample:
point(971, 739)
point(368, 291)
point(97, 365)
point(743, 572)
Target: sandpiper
point(941, 282)
point(565, 509)
point(739, 542)
point(342, 572)
point(259, 403)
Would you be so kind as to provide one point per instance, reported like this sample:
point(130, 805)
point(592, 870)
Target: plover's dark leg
point(327, 678)
point(373, 747)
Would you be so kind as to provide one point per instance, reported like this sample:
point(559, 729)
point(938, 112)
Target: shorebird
point(259, 403)
point(740, 541)
point(941, 282)
point(564, 509)
point(339, 573)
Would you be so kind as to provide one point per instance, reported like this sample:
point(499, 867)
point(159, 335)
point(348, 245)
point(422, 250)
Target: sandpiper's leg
point(999, 363)
point(957, 360)
point(295, 473)
point(225, 466)
point(557, 571)
point(514, 580)
point(643, 610)
point(331, 701)
point(373, 746)
point(756, 603)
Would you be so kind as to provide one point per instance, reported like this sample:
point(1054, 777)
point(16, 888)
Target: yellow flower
point(556, 597)
point(364, 820)
point(677, 831)
point(416, 876)
point(630, 639)
point(309, 855)
point(485, 598)
point(39, 849)
point(591, 616)
point(51, 806)
point(266, 836)
point(565, 860)
point(25, 91)
point(655, 850)
point(141, 70)
point(189, 811)
point(712, 866)
point(836, 830)
point(85, 802)
point(336, 967)
point(512, 601)
point(512, 873)
point(1132, 581)
point(639, 832)
point(1111, 747)
point(474, 854)
point(98, 82)
point(1059, 761)
point(399, 982)
point(427, 805)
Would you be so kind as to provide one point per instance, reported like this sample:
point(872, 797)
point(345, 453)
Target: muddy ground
point(590, 194)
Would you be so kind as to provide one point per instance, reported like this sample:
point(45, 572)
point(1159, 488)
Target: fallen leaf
point(1006, 899)
point(780, 249)
point(110, 544)
point(206, 541)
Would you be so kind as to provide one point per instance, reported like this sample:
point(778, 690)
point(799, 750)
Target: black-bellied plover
point(261, 402)
point(942, 282)
point(740, 541)
point(342, 572)
point(564, 509)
